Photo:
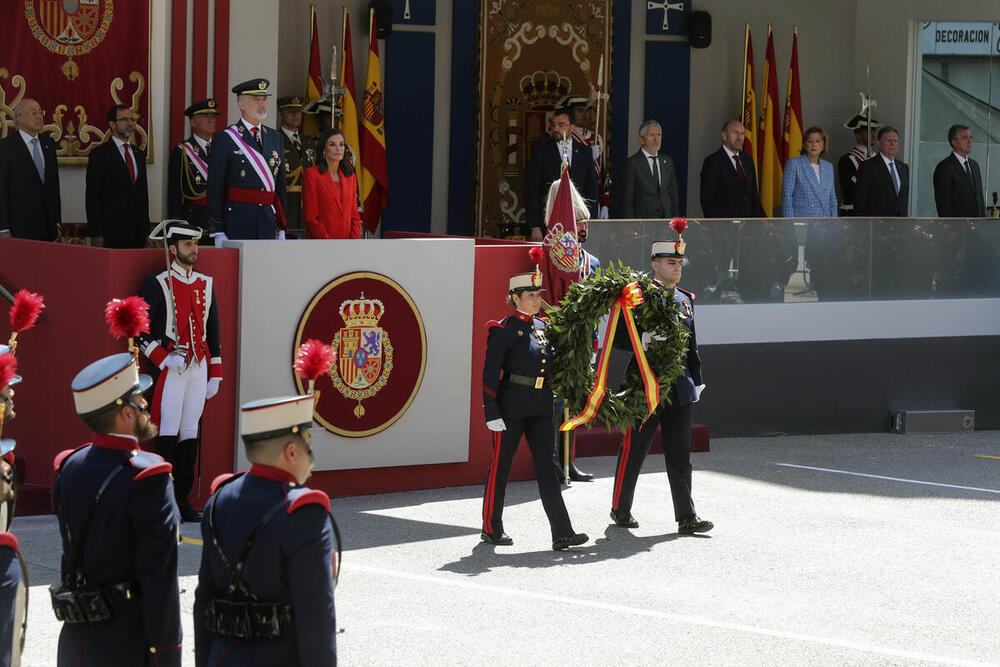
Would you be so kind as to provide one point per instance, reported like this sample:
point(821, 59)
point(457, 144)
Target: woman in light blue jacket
point(807, 189)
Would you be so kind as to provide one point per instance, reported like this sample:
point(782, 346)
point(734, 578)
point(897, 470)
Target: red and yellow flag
point(769, 150)
point(345, 98)
point(373, 179)
point(793, 107)
point(749, 97)
point(314, 81)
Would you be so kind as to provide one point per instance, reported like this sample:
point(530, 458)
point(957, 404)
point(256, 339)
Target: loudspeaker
point(383, 17)
point(700, 29)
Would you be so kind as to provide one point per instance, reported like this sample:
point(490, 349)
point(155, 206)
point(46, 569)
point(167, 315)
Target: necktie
point(656, 170)
point(739, 169)
point(256, 138)
point(129, 163)
point(36, 155)
point(208, 147)
point(295, 140)
point(895, 176)
point(968, 172)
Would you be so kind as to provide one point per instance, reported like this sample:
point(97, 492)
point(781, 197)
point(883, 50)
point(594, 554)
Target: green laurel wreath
point(571, 331)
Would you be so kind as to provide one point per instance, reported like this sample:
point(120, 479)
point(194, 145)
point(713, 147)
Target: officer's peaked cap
point(253, 87)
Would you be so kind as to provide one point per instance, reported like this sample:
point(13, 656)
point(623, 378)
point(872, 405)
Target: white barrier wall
point(279, 278)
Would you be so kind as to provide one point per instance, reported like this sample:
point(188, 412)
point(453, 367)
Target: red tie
point(256, 138)
point(129, 164)
point(739, 169)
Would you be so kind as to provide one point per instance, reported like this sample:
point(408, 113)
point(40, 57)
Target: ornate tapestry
point(532, 53)
point(76, 58)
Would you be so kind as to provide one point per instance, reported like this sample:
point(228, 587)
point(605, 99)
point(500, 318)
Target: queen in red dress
point(330, 191)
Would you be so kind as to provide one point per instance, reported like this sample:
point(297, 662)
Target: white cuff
point(496, 425)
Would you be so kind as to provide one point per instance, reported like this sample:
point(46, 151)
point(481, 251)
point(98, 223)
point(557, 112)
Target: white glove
point(648, 336)
point(496, 425)
point(219, 238)
point(697, 392)
point(213, 388)
point(281, 234)
point(603, 213)
point(595, 150)
point(174, 362)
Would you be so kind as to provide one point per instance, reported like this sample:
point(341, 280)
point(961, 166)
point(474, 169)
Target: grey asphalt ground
point(804, 567)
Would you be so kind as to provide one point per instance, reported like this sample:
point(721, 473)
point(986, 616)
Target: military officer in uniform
point(674, 418)
point(850, 162)
point(300, 153)
point(184, 344)
point(118, 596)
point(13, 590)
point(8, 480)
point(246, 172)
point(579, 108)
point(521, 404)
point(268, 550)
point(187, 181)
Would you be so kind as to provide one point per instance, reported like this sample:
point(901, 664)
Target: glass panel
point(797, 260)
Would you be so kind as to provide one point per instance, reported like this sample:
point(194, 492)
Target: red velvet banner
point(76, 58)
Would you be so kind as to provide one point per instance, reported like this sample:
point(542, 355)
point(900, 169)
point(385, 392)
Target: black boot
point(578, 475)
point(166, 446)
point(186, 455)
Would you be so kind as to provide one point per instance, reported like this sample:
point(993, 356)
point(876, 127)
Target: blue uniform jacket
point(684, 386)
point(133, 537)
point(228, 167)
point(516, 345)
point(290, 562)
point(10, 578)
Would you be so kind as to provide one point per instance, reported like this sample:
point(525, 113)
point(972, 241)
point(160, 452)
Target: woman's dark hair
point(346, 168)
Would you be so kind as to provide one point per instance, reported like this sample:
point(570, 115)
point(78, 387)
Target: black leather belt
point(539, 382)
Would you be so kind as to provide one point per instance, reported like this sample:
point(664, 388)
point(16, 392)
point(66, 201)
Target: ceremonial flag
point(793, 107)
point(374, 176)
point(561, 267)
point(770, 135)
point(345, 97)
point(749, 97)
point(314, 81)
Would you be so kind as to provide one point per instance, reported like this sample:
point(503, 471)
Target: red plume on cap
point(8, 368)
point(127, 317)
point(679, 225)
point(25, 311)
point(313, 359)
point(536, 254)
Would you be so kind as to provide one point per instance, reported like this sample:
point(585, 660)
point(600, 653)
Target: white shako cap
point(271, 417)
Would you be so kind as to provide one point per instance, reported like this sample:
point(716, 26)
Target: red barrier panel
point(77, 282)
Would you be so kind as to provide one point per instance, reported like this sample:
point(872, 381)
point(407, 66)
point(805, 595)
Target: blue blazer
point(802, 196)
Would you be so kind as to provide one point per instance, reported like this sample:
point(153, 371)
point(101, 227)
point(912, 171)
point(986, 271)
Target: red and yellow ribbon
point(630, 298)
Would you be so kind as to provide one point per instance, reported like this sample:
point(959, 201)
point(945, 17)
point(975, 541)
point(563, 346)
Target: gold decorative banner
point(531, 54)
point(77, 58)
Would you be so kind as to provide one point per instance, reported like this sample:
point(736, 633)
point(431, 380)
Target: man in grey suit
point(649, 182)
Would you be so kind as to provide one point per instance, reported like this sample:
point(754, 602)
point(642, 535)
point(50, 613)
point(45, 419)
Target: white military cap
point(271, 417)
point(106, 383)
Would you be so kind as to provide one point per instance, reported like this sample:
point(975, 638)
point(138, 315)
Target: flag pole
point(565, 456)
point(746, 44)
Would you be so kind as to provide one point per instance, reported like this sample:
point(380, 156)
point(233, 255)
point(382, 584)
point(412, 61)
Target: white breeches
point(183, 401)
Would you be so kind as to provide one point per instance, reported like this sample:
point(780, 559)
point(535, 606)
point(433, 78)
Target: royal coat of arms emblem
point(364, 352)
point(563, 248)
point(69, 27)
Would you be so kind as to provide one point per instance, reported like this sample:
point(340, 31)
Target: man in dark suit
point(29, 179)
point(958, 192)
point(544, 168)
point(117, 189)
point(903, 256)
point(649, 183)
point(187, 180)
point(246, 172)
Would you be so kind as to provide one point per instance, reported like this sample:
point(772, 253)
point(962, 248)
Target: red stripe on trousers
point(622, 467)
point(491, 485)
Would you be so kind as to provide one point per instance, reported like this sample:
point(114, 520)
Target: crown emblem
point(296, 100)
point(262, 84)
point(211, 104)
point(361, 312)
point(544, 89)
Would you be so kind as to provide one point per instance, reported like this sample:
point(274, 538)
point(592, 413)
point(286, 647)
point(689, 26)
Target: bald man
point(29, 179)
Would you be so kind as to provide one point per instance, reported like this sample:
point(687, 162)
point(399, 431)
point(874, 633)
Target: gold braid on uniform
point(192, 187)
point(571, 333)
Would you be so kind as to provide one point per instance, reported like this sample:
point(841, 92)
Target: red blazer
point(331, 212)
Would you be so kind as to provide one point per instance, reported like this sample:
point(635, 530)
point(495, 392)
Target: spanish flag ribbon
point(630, 298)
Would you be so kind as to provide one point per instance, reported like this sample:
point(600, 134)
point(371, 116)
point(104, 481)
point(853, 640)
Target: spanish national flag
point(749, 97)
point(314, 82)
point(345, 98)
point(374, 174)
point(793, 107)
point(770, 135)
